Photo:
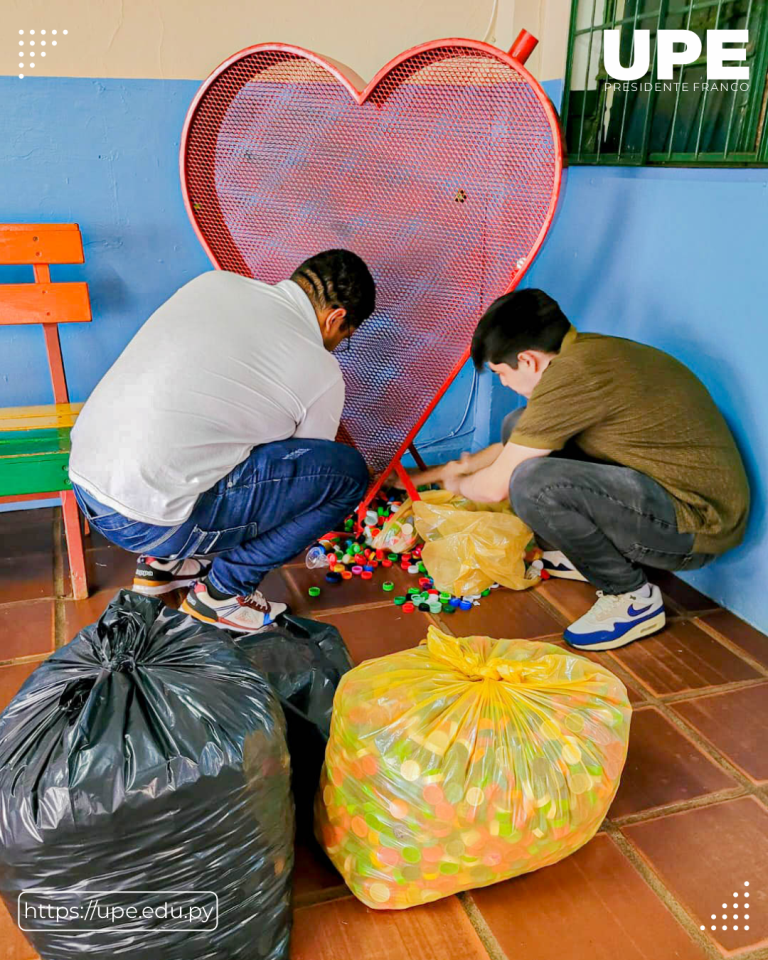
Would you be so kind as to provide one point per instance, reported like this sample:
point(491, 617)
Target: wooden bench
point(34, 441)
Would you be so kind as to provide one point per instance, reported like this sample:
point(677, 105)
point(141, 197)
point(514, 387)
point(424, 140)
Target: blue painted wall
point(675, 258)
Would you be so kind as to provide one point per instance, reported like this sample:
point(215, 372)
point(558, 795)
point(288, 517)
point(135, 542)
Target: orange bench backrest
point(41, 244)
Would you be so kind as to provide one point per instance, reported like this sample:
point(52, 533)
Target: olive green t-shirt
point(635, 406)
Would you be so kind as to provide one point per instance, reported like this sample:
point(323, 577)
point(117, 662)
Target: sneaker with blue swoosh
point(618, 619)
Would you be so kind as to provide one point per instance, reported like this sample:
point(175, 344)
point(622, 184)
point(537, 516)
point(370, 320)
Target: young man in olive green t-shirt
point(620, 459)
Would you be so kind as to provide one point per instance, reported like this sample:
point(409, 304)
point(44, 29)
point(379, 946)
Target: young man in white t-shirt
point(214, 433)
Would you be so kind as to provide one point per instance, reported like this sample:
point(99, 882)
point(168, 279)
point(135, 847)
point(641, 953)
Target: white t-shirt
point(228, 363)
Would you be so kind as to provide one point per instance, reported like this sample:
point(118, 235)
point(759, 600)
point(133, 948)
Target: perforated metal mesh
point(443, 181)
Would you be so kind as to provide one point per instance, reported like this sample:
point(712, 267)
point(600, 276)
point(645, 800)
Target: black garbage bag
point(147, 756)
point(303, 660)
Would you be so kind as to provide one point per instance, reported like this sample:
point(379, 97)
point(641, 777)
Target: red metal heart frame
point(443, 173)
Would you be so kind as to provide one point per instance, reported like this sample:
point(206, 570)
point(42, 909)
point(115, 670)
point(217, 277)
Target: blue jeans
point(609, 521)
point(275, 503)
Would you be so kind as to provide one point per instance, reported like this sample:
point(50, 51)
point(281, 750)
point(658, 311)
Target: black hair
point(521, 320)
point(338, 278)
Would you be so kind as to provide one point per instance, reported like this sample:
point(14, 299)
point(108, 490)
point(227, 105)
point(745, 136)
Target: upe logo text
point(688, 50)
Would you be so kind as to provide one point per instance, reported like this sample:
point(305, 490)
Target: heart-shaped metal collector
point(442, 173)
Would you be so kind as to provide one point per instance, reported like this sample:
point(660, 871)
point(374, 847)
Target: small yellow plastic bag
point(464, 762)
point(468, 546)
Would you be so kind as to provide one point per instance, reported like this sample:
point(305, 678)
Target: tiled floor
point(687, 830)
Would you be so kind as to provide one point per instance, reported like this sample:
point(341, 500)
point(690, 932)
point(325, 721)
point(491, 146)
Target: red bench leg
point(75, 550)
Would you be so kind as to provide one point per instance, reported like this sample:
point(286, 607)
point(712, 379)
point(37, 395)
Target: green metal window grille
point(610, 121)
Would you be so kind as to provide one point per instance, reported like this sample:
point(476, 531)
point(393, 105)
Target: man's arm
point(446, 472)
point(491, 484)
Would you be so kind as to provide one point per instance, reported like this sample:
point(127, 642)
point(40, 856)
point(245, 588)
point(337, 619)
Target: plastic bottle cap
point(408, 607)
point(386, 563)
point(399, 601)
point(455, 602)
point(357, 569)
point(366, 574)
point(346, 575)
point(388, 586)
point(424, 607)
point(435, 607)
point(424, 582)
point(465, 604)
point(445, 597)
point(412, 569)
point(314, 591)
point(368, 566)
point(447, 608)
point(432, 591)
point(486, 593)
point(333, 577)
point(422, 568)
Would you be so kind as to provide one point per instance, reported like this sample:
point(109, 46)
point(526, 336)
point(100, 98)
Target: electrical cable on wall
point(489, 33)
point(456, 432)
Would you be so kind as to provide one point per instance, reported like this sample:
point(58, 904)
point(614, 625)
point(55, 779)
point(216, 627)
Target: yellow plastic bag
point(464, 762)
point(468, 546)
point(397, 533)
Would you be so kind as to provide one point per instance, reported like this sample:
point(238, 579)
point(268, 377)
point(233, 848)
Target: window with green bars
point(686, 121)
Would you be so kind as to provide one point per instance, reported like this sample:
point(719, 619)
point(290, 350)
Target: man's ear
point(336, 319)
point(528, 358)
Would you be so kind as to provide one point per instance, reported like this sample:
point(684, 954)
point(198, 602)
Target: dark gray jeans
point(608, 520)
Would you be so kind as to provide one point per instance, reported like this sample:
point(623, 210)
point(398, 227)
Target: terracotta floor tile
point(742, 634)
point(26, 531)
point(336, 596)
point(705, 856)
point(314, 873)
point(82, 613)
point(508, 614)
point(26, 629)
point(590, 906)
point(13, 944)
point(571, 597)
point(107, 567)
point(736, 723)
point(683, 596)
point(29, 577)
point(275, 587)
point(26, 555)
point(347, 930)
point(375, 633)
point(11, 679)
point(602, 657)
point(663, 767)
point(682, 657)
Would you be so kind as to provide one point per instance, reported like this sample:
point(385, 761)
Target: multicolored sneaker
point(154, 577)
point(618, 619)
point(558, 565)
point(242, 614)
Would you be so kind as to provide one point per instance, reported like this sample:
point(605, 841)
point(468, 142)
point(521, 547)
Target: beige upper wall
point(186, 39)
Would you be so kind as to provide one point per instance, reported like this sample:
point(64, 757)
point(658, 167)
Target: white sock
point(644, 591)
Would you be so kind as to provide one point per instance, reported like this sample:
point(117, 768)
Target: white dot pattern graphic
point(735, 916)
point(32, 44)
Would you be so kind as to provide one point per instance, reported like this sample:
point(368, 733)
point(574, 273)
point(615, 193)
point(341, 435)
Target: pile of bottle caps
point(346, 555)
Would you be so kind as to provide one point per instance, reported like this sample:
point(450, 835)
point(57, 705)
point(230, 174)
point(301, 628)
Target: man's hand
point(442, 474)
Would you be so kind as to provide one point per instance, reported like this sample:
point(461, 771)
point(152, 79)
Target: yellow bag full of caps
point(468, 546)
point(464, 762)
